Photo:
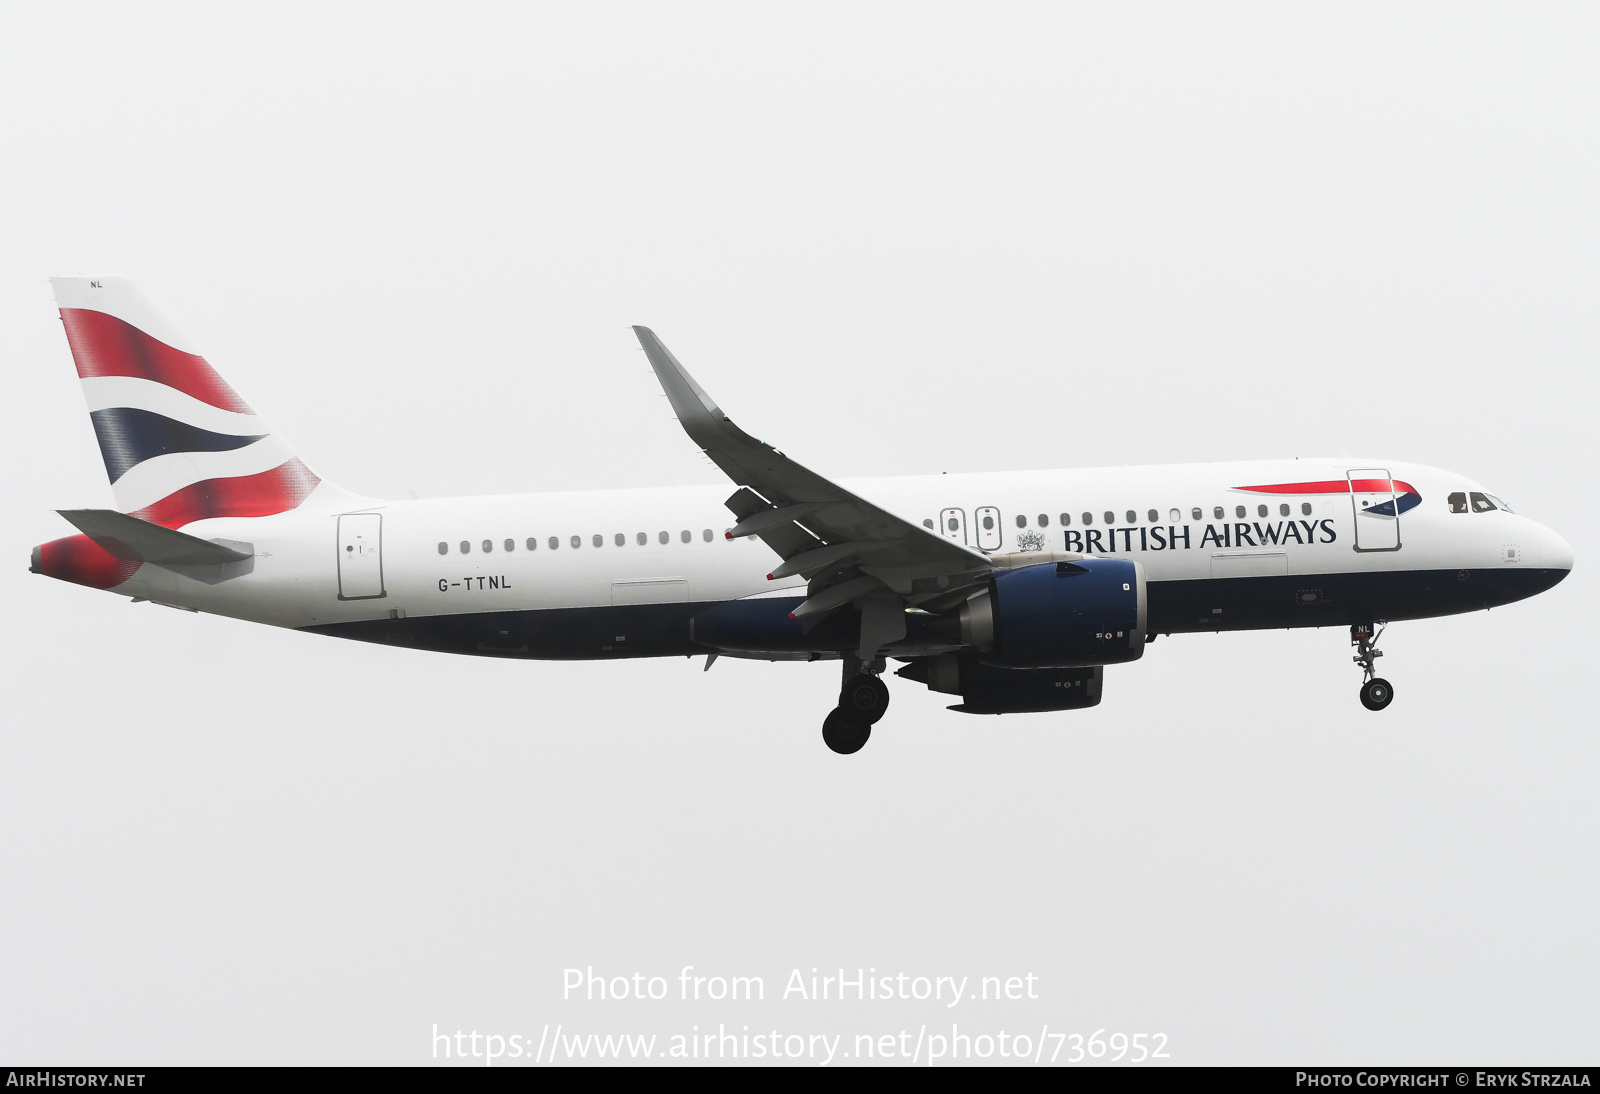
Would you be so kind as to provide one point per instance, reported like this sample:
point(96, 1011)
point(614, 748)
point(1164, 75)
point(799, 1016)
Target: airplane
point(1010, 591)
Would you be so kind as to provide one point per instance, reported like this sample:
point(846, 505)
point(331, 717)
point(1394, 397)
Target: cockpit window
point(1500, 504)
point(1458, 501)
point(1481, 503)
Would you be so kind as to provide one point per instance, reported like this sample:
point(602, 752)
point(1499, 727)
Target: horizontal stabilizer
point(136, 540)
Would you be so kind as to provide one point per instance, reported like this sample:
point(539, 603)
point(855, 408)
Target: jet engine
point(1061, 615)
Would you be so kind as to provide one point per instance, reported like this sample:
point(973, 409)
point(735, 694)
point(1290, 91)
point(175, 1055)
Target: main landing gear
point(1376, 692)
point(862, 701)
point(842, 733)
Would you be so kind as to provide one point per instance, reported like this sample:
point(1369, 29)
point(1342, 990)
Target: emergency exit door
point(360, 556)
point(989, 530)
point(953, 525)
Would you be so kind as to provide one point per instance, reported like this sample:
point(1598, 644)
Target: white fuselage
point(598, 549)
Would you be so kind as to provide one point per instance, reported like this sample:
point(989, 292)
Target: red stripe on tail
point(275, 491)
point(1334, 486)
point(103, 345)
point(82, 561)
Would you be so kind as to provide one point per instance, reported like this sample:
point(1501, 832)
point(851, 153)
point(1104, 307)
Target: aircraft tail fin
point(178, 442)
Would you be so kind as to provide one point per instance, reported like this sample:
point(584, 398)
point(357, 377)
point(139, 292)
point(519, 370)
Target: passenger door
point(1376, 509)
point(360, 556)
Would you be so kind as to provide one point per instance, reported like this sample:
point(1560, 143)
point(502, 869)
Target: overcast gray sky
point(892, 239)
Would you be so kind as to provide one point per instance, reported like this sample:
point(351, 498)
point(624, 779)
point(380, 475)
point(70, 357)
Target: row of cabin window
point(620, 539)
point(1154, 515)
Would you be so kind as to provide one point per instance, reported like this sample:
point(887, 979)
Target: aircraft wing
point(843, 544)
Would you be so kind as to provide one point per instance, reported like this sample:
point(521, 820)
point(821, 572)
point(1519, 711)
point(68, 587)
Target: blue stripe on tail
point(128, 437)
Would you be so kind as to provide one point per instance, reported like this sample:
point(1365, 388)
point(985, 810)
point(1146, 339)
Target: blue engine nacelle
point(1060, 615)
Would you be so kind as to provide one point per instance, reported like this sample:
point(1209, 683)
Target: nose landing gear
point(862, 702)
point(1376, 693)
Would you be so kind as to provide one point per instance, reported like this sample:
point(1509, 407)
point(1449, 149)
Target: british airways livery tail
point(1011, 592)
point(179, 444)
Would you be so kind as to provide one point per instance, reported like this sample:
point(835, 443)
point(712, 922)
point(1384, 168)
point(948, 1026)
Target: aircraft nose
point(1557, 551)
point(1546, 549)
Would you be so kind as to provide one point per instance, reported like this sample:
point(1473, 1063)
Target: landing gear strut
point(1376, 692)
point(862, 702)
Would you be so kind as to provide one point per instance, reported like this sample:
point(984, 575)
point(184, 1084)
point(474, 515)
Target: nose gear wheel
point(1376, 693)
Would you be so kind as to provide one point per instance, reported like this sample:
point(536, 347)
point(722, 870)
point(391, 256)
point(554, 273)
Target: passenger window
point(928, 523)
point(686, 535)
point(1196, 512)
point(1175, 516)
point(622, 540)
point(1044, 520)
point(533, 544)
point(1305, 508)
point(1481, 503)
point(1066, 520)
point(642, 538)
point(576, 541)
point(444, 548)
point(554, 543)
point(1154, 516)
point(1238, 511)
point(1133, 518)
point(1217, 511)
point(1111, 518)
point(706, 535)
point(599, 541)
point(488, 545)
point(1283, 510)
point(511, 545)
point(466, 548)
point(1457, 501)
point(1022, 522)
point(1261, 510)
point(665, 537)
point(1088, 519)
